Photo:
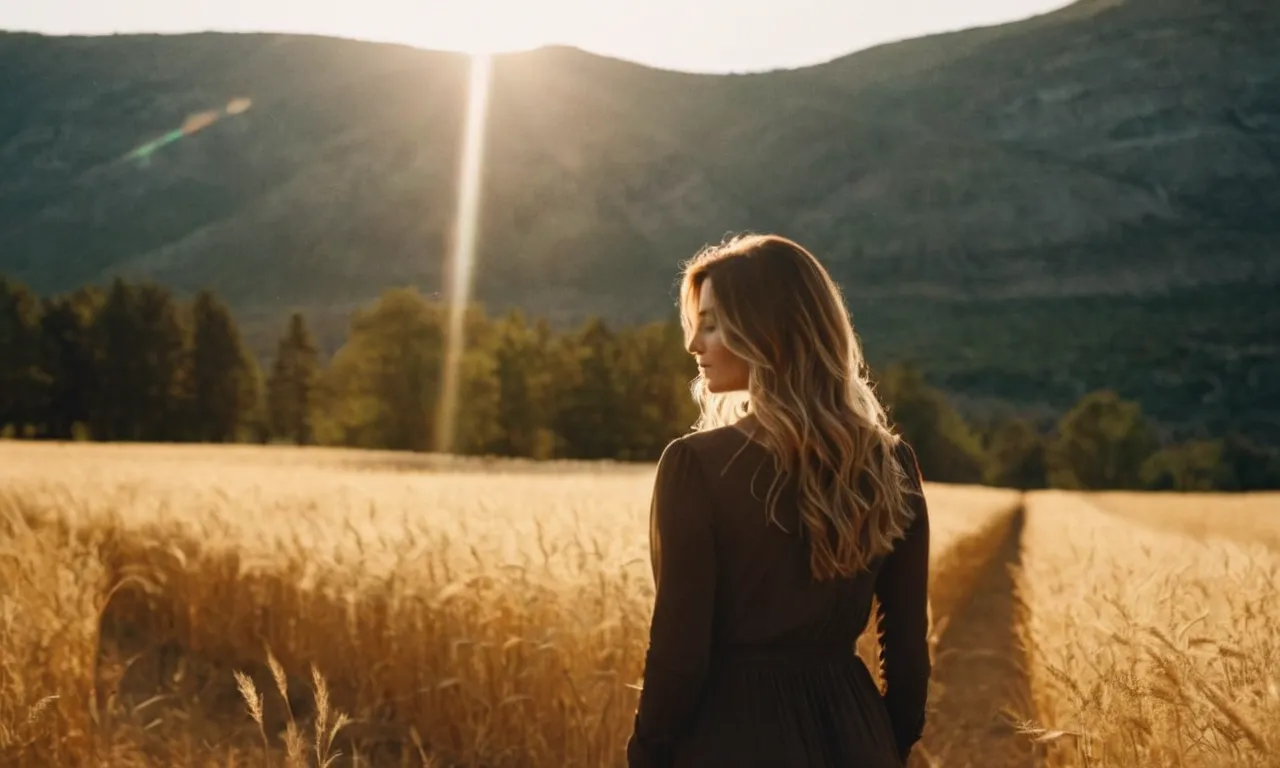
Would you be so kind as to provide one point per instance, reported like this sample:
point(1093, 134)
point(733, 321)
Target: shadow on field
point(166, 694)
point(980, 670)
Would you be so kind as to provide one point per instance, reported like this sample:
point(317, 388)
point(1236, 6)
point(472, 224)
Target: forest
point(130, 361)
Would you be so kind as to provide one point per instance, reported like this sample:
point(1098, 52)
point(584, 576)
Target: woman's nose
point(694, 346)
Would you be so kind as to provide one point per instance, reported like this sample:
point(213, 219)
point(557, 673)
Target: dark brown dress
point(751, 662)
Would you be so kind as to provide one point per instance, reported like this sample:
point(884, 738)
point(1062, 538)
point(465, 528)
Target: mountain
point(1087, 198)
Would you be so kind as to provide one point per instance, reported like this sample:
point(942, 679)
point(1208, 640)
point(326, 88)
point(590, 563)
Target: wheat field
point(1247, 517)
point(1148, 647)
point(246, 606)
point(451, 612)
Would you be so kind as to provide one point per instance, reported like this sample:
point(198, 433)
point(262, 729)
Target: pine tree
point(525, 385)
point(592, 413)
point(142, 365)
point(22, 384)
point(291, 385)
point(118, 394)
point(222, 373)
point(67, 356)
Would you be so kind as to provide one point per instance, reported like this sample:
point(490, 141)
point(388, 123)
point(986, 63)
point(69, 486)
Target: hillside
point(1084, 199)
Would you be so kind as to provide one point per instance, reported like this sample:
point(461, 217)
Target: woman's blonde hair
point(780, 311)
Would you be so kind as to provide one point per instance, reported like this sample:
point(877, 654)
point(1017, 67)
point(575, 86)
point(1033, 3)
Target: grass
point(1148, 647)
point(248, 606)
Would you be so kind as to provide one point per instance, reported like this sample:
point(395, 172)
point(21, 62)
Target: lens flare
point(464, 246)
point(198, 122)
point(192, 125)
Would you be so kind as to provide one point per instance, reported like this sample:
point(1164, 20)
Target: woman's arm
point(684, 570)
point(902, 590)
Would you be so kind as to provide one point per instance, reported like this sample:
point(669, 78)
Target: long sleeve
point(682, 550)
point(902, 589)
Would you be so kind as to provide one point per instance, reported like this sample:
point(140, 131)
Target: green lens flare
point(191, 126)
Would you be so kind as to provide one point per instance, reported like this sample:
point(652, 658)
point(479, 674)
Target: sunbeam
point(463, 256)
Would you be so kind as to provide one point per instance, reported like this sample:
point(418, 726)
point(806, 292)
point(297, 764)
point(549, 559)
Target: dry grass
point(1248, 517)
point(1147, 647)
point(461, 612)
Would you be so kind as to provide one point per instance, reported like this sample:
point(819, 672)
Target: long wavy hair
point(808, 388)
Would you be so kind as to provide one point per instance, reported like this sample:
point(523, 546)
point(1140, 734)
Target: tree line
point(130, 362)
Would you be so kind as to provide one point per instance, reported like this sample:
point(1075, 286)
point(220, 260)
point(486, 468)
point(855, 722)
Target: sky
point(690, 35)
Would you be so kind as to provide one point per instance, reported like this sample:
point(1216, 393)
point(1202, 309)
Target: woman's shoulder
point(914, 489)
point(905, 453)
point(689, 448)
point(683, 463)
point(707, 444)
point(726, 456)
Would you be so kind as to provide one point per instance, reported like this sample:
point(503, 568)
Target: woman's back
point(769, 595)
point(752, 659)
point(765, 580)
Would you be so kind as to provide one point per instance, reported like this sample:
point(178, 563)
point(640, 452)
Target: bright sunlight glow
point(462, 259)
point(485, 26)
point(690, 35)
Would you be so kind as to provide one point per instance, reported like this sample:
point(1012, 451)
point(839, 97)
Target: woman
point(772, 527)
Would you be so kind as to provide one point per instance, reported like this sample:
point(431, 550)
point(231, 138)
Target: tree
point(257, 420)
point(1102, 443)
point(1248, 466)
point(142, 361)
point(1016, 456)
point(22, 381)
point(475, 421)
point(118, 399)
point(526, 388)
point(383, 388)
point(222, 373)
point(68, 353)
point(591, 416)
point(947, 449)
point(1191, 466)
point(653, 372)
point(291, 386)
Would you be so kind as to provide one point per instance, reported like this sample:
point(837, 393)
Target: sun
point(491, 26)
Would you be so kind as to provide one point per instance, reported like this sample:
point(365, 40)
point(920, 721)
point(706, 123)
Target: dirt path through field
point(979, 670)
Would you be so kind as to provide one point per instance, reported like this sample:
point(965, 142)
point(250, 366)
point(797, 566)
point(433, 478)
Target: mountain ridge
point(1117, 152)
